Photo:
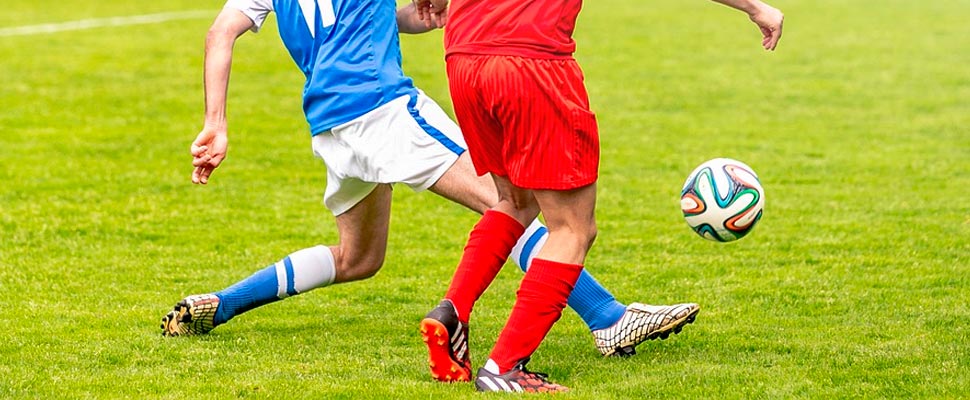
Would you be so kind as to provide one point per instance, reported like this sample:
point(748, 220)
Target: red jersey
point(526, 28)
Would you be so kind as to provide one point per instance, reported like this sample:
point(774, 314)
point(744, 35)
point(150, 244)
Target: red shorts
point(526, 119)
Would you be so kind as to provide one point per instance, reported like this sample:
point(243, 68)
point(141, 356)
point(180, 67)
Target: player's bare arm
point(210, 146)
point(409, 20)
point(768, 19)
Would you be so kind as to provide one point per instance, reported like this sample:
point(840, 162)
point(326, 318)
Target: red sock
point(488, 247)
point(538, 305)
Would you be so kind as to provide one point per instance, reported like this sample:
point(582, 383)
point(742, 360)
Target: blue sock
point(594, 304)
point(256, 290)
point(300, 272)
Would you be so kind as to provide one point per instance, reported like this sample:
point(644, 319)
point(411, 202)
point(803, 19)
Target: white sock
point(309, 269)
point(491, 366)
point(529, 244)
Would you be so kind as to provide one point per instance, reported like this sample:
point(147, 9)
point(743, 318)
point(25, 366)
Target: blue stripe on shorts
point(434, 132)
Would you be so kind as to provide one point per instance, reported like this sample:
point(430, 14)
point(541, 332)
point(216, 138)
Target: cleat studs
point(626, 351)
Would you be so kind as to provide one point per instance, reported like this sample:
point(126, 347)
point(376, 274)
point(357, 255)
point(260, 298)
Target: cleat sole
point(443, 367)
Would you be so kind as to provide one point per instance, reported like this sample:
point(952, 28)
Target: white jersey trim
point(256, 10)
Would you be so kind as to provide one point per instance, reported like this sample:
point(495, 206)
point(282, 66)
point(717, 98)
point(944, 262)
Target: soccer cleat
point(643, 322)
point(191, 316)
point(447, 341)
point(517, 379)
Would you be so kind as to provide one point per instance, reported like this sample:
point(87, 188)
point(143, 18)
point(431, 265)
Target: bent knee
point(588, 236)
point(580, 237)
point(357, 268)
point(358, 272)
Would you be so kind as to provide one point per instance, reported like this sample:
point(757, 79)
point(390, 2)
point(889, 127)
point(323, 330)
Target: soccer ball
point(722, 200)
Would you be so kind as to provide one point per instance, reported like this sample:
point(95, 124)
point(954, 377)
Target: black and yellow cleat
point(192, 315)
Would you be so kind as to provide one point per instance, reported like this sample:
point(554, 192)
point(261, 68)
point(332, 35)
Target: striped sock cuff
point(529, 244)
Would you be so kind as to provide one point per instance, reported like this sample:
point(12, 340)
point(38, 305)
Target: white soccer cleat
point(643, 322)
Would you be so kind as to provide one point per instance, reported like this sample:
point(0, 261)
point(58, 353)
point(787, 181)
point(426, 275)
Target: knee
point(587, 236)
point(582, 237)
point(355, 268)
point(521, 210)
point(358, 271)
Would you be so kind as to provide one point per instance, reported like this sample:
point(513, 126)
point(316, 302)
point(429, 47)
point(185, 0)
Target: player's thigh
point(363, 231)
point(463, 185)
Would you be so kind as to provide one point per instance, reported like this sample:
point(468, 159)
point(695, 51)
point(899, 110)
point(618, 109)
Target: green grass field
point(854, 285)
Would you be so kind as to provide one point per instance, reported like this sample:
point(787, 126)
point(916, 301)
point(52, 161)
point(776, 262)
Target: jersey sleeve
point(256, 10)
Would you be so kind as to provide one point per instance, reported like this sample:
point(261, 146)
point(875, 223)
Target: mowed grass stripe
point(82, 24)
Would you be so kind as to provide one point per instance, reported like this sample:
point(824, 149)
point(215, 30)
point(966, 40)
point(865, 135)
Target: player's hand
point(434, 13)
point(208, 151)
point(769, 20)
point(438, 20)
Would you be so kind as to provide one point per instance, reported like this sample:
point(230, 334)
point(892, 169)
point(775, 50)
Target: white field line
point(105, 22)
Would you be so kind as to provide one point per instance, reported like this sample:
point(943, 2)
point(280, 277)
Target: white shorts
point(409, 140)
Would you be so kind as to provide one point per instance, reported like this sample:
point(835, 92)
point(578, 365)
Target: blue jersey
point(347, 49)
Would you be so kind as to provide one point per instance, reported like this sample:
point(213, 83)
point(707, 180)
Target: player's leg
point(297, 273)
point(598, 308)
point(363, 231)
point(547, 284)
point(596, 305)
point(616, 328)
point(362, 209)
point(445, 328)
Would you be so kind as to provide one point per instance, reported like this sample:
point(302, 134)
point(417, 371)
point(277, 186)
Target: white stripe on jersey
point(327, 15)
point(310, 15)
